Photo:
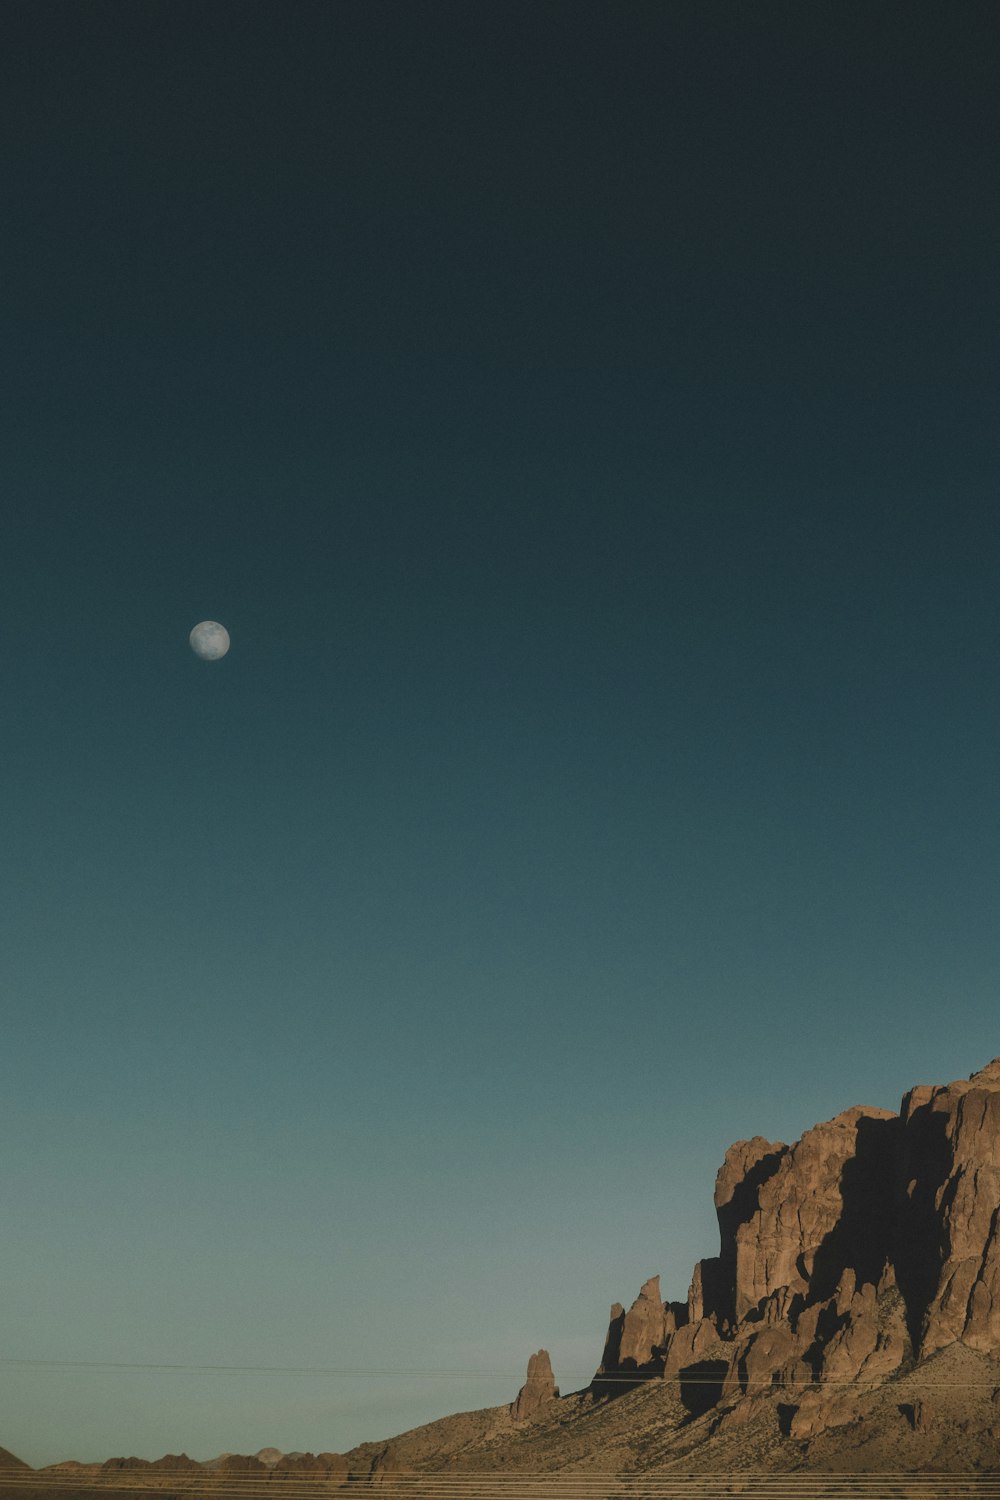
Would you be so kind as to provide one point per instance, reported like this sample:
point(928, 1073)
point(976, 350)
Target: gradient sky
point(583, 416)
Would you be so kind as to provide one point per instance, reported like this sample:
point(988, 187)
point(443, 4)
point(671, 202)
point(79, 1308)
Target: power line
point(624, 1378)
point(589, 1485)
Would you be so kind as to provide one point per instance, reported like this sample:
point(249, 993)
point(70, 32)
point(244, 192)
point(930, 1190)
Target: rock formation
point(850, 1320)
point(538, 1390)
point(949, 1196)
point(851, 1255)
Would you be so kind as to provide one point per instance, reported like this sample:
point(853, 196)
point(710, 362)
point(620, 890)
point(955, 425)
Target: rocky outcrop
point(538, 1389)
point(950, 1210)
point(747, 1166)
point(176, 1462)
point(819, 1411)
point(708, 1295)
point(808, 1211)
point(870, 1243)
point(867, 1251)
point(612, 1340)
point(636, 1340)
point(643, 1327)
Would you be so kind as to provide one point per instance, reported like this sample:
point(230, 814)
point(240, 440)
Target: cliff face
point(869, 1249)
point(868, 1245)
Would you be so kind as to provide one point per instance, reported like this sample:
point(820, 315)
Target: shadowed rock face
point(748, 1165)
point(950, 1209)
point(613, 1340)
point(820, 1206)
point(867, 1245)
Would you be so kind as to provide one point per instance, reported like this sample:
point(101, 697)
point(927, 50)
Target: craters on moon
point(209, 640)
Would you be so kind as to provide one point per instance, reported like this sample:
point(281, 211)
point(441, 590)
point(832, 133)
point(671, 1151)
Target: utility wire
point(624, 1378)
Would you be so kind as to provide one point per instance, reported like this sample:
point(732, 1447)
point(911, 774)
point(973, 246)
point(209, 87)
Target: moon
point(209, 640)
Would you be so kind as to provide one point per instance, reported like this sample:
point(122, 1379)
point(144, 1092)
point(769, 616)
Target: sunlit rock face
point(870, 1243)
point(538, 1389)
point(822, 1205)
point(643, 1327)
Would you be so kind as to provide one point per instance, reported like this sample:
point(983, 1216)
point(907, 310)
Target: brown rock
point(747, 1410)
point(693, 1342)
point(758, 1358)
point(923, 1416)
point(747, 1166)
point(538, 1389)
point(613, 1340)
point(872, 1340)
point(818, 1411)
point(950, 1210)
point(824, 1204)
point(784, 1305)
point(644, 1328)
point(834, 1254)
point(334, 1463)
point(173, 1462)
point(710, 1294)
point(636, 1340)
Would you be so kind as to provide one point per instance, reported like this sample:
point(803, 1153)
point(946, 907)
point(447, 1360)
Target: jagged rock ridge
point(854, 1266)
point(857, 1252)
point(850, 1321)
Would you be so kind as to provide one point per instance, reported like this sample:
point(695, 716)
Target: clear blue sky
point(583, 418)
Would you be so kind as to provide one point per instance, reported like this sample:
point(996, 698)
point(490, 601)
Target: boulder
point(758, 1359)
point(818, 1411)
point(693, 1342)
